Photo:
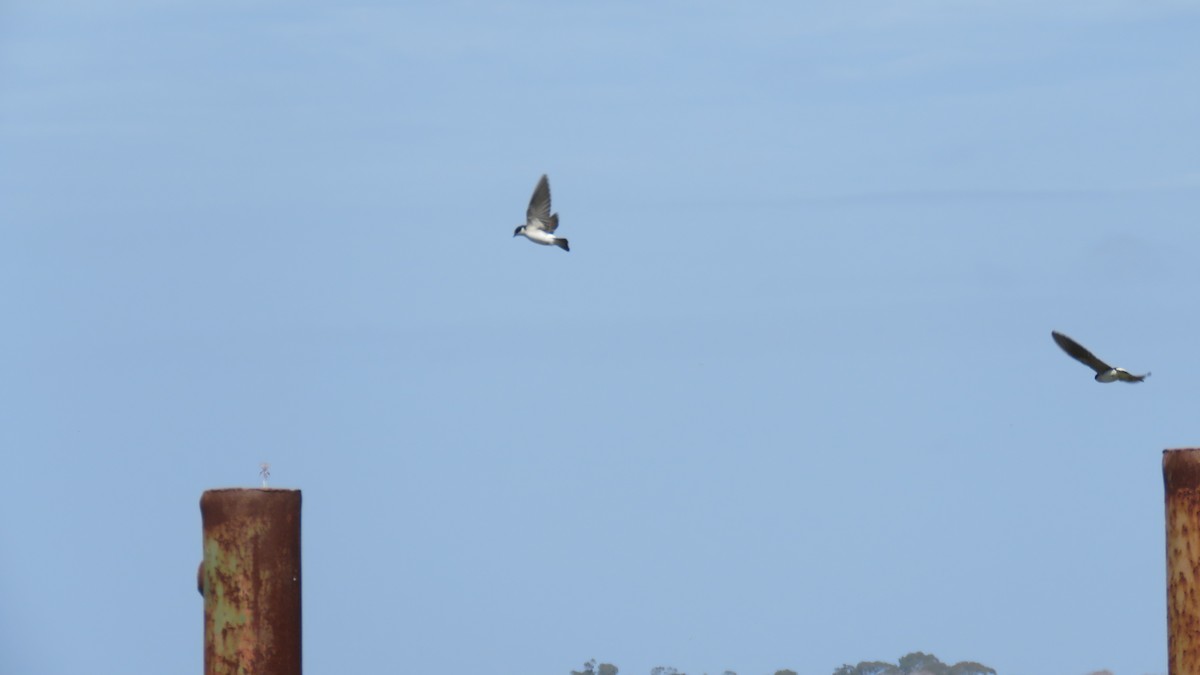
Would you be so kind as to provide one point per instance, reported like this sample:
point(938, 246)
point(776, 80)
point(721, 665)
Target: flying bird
point(1104, 372)
point(540, 224)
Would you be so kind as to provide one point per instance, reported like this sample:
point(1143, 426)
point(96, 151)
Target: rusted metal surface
point(1181, 476)
point(250, 579)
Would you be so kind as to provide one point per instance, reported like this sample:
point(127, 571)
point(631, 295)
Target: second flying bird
point(540, 224)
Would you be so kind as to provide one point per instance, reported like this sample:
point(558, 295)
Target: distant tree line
point(916, 663)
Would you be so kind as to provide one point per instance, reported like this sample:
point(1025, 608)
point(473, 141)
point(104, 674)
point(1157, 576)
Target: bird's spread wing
point(1079, 353)
point(538, 214)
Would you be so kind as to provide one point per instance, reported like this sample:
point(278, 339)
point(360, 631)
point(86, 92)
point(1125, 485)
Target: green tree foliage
point(916, 663)
point(869, 668)
point(592, 668)
point(785, 672)
point(589, 668)
point(920, 663)
point(970, 668)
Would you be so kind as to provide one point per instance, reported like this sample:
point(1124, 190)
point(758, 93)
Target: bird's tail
point(561, 243)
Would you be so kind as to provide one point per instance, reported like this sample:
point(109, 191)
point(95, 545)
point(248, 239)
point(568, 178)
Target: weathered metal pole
point(250, 579)
point(1181, 475)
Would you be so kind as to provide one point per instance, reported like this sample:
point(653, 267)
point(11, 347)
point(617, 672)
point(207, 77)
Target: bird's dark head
point(519, 230)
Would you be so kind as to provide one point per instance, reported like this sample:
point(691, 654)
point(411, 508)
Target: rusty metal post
point(1181, 475)
point(250, 578)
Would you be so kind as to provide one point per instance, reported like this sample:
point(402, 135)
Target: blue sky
point(790, 401)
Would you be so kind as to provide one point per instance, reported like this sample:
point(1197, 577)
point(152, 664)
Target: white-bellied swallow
point(1104, 372)
point(540, 224)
